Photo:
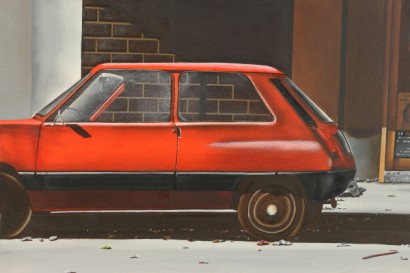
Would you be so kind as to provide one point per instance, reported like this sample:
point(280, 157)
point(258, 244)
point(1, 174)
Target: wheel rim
point(272, 212)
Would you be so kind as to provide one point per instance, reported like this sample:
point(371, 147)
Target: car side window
point(122, 96)
point(224, 97)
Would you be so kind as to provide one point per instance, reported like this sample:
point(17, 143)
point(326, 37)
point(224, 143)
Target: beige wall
point(15, 59)
point(316, 51)
point(339, 59)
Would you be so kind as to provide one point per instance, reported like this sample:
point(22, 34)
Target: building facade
point(351, 56)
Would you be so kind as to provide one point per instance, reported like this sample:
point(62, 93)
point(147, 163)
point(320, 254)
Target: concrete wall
point(15, 59)
point(56, 48)
point(40, 53)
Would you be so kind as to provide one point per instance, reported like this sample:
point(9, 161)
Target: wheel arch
point(253, 182)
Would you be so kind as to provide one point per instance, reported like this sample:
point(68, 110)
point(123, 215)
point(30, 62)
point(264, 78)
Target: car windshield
point(93, 95)
point(45, 110)
point(315, 109)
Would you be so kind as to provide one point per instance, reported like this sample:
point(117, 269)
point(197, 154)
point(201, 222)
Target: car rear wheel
point(272, 212)
point(15, 210)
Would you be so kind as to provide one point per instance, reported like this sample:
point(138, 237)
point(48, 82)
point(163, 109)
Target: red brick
point(210, 106)
point(132, 90)
point(106, 117)
point(110, 45)
point(158, 58)
point(128, 117)
point(164, 105)
point(119, 105)
point(126, 31)
point(257, 108)
point(157, 117)
point(92, 59)
point(89, 44)
point(127, 58)
point(143, 46)
point(233, 106)
point(157, 90)
point(219, 92)
point(143, 105)
point(96, 30)
point(245, 92)
point(90, 14)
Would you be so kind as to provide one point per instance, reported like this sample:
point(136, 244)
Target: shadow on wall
point(367, 167)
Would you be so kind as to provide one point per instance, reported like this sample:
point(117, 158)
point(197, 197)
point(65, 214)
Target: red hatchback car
point(176, 136)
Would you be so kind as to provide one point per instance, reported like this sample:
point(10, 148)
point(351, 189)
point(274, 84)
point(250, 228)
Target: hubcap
point(271, 210)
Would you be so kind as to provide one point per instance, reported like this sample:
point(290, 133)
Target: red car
point(176, 136)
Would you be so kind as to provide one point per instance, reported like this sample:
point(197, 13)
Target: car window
point(225, 97)
point(315, 109)
point(122, 96)
point(46, 109)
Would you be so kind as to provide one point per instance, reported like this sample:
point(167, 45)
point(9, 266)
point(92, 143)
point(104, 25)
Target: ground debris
point(216, 241)
point(134, 256)
point(403, 258)
point(353, 190)
point(343, 245)
point(282, 243)
point(70, 271)
point(390, 195)
point(203, 262)
point(53, 238)
point(262, 243)
point(165, 238)
point(390, 252)
point(27, 239)
point(106, 246)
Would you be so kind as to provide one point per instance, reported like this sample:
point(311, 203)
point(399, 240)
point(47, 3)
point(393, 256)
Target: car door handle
point(177, 131)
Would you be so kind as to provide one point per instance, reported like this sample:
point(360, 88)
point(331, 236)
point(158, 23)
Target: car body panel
point(19, 140)
point(176, 164)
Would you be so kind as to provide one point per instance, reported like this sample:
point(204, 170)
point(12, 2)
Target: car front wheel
point(272, 212)
point(15, 210)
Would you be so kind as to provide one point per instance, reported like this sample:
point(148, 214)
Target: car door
point(222, 124)
point(112, 145)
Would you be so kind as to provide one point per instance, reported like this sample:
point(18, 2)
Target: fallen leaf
point(105, 247)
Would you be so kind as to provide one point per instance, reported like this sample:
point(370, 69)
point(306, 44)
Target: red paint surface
point(71, 200)
point(286, 144)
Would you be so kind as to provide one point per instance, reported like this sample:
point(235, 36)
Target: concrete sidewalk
point(381, 198)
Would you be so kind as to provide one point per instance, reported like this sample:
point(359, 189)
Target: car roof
point(211, 67)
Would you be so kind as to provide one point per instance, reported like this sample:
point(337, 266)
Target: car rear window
point(315, 109)
point(223, 97)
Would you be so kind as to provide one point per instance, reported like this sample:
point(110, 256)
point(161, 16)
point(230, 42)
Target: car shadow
point(331, 228)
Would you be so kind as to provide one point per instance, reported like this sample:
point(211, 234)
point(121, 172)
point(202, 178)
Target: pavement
point(340, 251)
point(376, 198)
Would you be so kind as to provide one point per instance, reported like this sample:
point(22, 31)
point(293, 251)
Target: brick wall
point(107, 40)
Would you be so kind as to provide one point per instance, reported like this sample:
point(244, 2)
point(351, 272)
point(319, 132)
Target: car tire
point(15, 210)
point(313, 212)
point(272, 212)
